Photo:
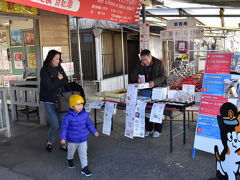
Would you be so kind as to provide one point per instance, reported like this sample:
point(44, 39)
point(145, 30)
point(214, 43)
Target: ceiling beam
point(183, 12)
point(221, 13)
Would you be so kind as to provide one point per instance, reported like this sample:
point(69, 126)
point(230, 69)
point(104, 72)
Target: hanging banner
point(144, 36)
point(126, 11)
point(139, 120)
point(107, 119)
point(156, 115)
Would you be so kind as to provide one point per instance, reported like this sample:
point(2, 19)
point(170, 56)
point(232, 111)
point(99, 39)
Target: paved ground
point(23, 157)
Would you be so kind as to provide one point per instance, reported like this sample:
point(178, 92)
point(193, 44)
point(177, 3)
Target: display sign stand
point(207, 134)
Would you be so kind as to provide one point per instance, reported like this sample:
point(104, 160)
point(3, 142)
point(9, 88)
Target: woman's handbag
point(62, 104)
point(63, 101)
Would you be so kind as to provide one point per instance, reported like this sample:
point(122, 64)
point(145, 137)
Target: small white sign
point(68, 68)
point(181, 23)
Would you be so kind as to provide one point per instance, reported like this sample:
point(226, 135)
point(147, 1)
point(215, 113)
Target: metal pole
point(79, 53)
point(123, 58)
point(143, 13)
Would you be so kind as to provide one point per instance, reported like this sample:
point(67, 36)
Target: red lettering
point(70, 4)
point(49, 1)
point(64, 4)
point(57, 2)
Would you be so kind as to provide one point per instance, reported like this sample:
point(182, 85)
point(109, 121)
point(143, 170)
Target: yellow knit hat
point(75, 99)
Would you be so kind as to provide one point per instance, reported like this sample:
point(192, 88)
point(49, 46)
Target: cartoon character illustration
point(228, 161)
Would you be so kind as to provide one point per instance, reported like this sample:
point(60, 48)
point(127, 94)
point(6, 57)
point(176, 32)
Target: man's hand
point(151, 84)
point(96, 134)
point(63, 141)
point(140, 81)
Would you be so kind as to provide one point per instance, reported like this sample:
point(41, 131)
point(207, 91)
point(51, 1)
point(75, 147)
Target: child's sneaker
point(86, 172)
point(70, 163)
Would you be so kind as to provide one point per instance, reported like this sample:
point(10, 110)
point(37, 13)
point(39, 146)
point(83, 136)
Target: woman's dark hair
point(50, 57)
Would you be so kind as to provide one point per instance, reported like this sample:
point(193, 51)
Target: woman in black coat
point(53, 78)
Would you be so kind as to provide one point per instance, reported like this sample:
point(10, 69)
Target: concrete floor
point(23, 157)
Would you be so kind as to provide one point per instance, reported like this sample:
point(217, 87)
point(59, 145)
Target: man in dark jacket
point(154, 73)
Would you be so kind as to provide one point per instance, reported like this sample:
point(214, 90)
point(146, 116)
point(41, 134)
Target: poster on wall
point(31, 57)
point(16, 38)
point(181, 51)
point(18, 60)
point(4, 62)
point(7, 79)
point(29, 38)
point(4, 39)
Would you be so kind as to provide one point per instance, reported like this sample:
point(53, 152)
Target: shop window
point(112, 54)
point(88, 54)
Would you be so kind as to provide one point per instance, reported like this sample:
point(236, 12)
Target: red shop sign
point(121, 11)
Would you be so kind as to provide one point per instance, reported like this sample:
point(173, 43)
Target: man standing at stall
point(153, 70)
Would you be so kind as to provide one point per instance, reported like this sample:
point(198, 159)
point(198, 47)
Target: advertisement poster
point(218, 63)
point(7, 79)
point(132, 91)
point(16, 38)
point(31, 57)
point(181, 51)
point(29, 38)
point(156, 115)
point(107, 119)
point(4, 38)
point(207, 126)
point(210, 104)
point(116, 11)
point(4, 63)
point(235, 64)
point(213, 84)
point(129, 122)
point(139, 120)
point(18, 60)
point(68, 68)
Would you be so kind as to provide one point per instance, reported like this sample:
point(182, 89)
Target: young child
point(74, 130)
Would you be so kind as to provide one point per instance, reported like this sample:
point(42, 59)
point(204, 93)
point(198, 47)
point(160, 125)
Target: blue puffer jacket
point(75, 126)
